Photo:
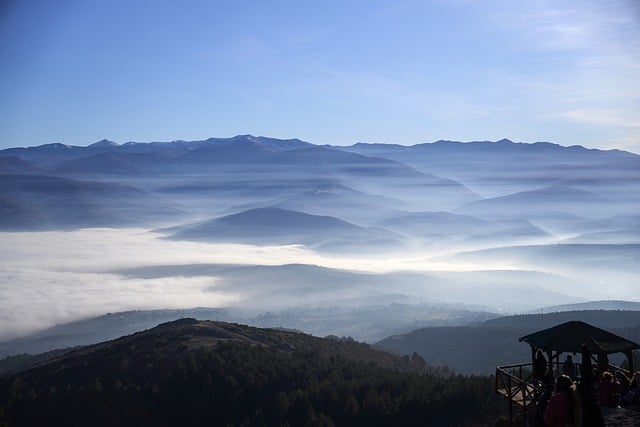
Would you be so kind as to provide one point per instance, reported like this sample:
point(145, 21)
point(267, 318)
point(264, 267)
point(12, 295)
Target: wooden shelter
point(569, 337)
point(517, 382)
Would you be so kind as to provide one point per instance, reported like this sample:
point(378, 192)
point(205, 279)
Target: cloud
point(54, 277)
point(47, 278)
point(582, 68)
point(603, 117)
point(566, 25)
point(37, 299)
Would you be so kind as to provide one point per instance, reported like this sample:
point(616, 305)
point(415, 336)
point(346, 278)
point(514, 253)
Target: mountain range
point(430, 253)
point(297, 175)
point(367, 230)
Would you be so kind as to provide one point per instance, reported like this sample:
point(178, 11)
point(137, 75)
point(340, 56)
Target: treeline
point(605, 319)
point(238, 384)
point(479, 349)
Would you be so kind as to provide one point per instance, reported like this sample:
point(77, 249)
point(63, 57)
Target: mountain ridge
point(274, 225)
point(277, 144)
point(502, 143)
point(569, 223)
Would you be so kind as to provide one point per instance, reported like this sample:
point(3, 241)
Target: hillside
point(283, 226)
point(111, 163)
point(41, 202)
point(342, 202)
point(367, 320)
point(548, 201)
point(499, 227)
point(504, 157)
point(592, 305)
point(12, 165)
point(447, 229)
point(187, 372)
point(479, 348)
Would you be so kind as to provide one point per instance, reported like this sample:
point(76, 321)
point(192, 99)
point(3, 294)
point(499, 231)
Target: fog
point(48, 278)
point(310, 237)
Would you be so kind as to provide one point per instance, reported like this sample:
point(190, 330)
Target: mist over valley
point(434, 181)
point(364, 241)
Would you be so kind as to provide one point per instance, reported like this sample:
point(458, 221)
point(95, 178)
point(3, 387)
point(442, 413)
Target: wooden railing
point(516, 383)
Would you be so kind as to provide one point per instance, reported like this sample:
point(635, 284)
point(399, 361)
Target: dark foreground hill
point(190, 372)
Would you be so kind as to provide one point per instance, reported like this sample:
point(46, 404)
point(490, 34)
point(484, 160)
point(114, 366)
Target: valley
point(366, 241)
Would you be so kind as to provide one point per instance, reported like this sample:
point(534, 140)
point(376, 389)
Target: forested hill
point(190, 372)
point(479, 348)
point(607, 319)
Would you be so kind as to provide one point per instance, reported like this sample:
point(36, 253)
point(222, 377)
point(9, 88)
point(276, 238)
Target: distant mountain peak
point(504, 141)
point(375, 144)
point(103, 143)
point(261, 140)
point(274, 216)
point(245, 137)
point(57, 146)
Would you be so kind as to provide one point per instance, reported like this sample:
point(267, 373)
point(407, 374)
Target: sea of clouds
point(48, 278)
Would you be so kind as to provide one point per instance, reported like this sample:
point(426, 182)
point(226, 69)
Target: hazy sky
point(325, 71)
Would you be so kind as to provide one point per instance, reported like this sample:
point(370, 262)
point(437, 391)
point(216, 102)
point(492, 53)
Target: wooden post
point(533, 356)
point(629, 355)
point(520, 372)
point(510, 396)
point(524, 402)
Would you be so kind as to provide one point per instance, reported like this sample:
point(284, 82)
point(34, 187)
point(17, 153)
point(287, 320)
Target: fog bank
point(47, 278)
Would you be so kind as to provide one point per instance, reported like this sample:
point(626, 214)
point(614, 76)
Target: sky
point(328, 72)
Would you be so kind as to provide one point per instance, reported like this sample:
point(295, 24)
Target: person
point(624, 381)
point(561, 409)
point(608, 390)
point(568, 367)
point(591, 412)
point(603, 362)
point(539, 366)
point(632, 397)
point(549, 375)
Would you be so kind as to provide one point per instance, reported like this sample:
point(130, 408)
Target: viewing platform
point(528, 386)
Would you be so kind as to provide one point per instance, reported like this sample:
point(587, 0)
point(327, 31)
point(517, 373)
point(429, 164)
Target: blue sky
point(329, 72)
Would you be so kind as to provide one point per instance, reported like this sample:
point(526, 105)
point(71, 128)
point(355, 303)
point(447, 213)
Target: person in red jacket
point(560, 409)
point(608, 391)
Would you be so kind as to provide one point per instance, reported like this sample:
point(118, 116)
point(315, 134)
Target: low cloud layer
point(47, 278)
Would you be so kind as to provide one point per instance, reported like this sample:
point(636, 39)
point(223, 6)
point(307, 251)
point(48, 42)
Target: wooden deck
point(522, 396)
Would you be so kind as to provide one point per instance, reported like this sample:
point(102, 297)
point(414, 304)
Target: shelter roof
point(570, 336)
